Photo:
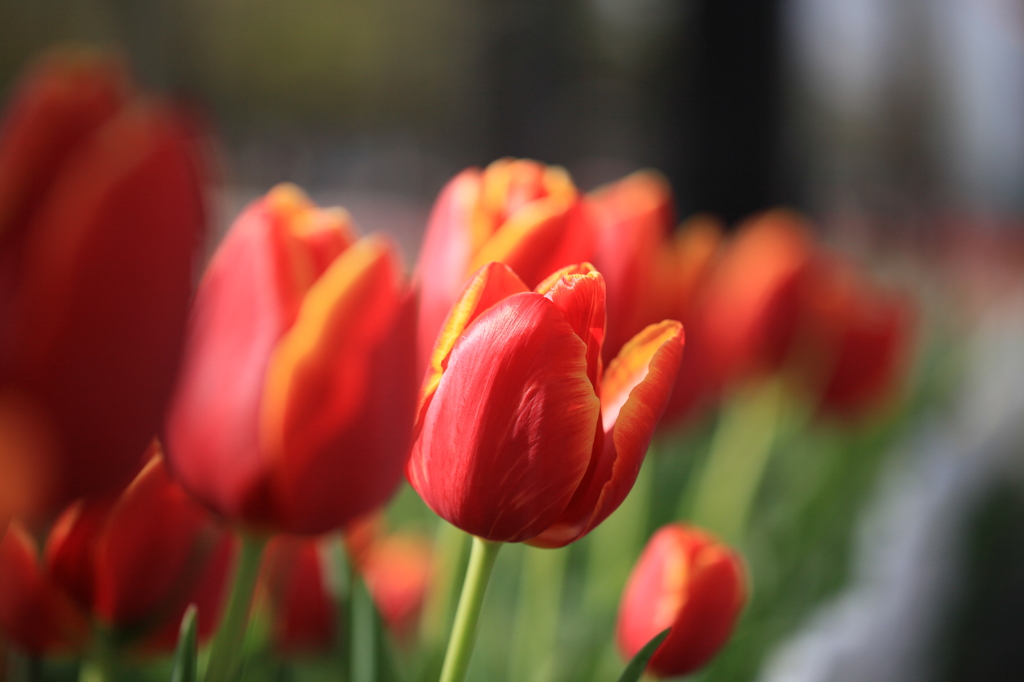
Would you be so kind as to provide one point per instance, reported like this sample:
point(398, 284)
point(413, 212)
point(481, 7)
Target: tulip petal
point(712, 595)
point(508, 435)
point(579, 293)
point(445, 255)
point(152, 554)
point(69, 549)
point(34, 613)
point(537, 239)
point(246, 301)
point(63, 100)
point(488, 285)
point(107, 282)
point(340, 393)
point(634, 392)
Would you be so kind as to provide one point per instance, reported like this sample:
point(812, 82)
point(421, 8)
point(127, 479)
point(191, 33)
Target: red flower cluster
point(133, 564)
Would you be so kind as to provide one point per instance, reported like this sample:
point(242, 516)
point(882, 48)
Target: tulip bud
point(133, 564)
point(101, 216)
point(684, 580)
point(518, 212)
point(294, 408)
point(520, 435)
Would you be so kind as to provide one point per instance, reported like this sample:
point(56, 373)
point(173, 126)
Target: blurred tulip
point(752, 306)
point(687, 581)
point(519, 435)
point(133, 564)
point(396, 568)
point(653, 274)
point(518, 212)
point(302, 609)
point(295, 405)
point(101, 216)
point(854, 341)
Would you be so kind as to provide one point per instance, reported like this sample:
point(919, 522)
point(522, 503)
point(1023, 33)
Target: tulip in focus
point(132, 564)
point(684, 580)
point(516, 211)
point(654, 274)
point(520, 435)
point(295, 405)
point(101, 217)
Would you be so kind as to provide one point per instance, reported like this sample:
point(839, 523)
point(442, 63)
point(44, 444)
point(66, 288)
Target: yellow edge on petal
point(517, 228)
point(320, 309)
point(584, 269)
point(631, 365)
point(465, 310)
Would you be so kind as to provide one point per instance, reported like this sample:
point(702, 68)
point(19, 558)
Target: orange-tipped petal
point(488, 285)
point(104, 298)
point(509, 432)
point(634, 392)
point(34, 613)
point(340, 392)
point(579, 293)
point(245, 303)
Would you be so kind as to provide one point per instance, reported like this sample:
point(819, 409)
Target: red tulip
point(303, 611)
point(396, 569)
point(520, 435)
point(101, 215)
point(518, 212)
point(295, 405)
point(854, 339)
point(653, 274)
point(684, 580)
point(752, 305)
point(134, 564)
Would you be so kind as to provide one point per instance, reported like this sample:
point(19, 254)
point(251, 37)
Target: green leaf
point(185, 659)
point(637, 666)
point(372, 658)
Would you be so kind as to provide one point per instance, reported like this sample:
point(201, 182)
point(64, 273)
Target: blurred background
point(896, 125)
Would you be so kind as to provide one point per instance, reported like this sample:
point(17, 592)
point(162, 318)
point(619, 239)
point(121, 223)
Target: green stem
point(226, 649)
point(740, 451)
point(101, 663)
point(460, 646)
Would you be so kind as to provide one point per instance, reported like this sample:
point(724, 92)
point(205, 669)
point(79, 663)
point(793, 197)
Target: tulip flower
point(752, 303)
point(302, 609)
point(520, 436)
point(132, 564)
point(853, 340)
point(395, 567)
point(653, 274)
point(518, 212)
point(687, 581)
point(101, 216)
point(295, 404)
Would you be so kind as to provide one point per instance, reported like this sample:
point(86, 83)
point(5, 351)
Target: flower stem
point(226, 649)
point(460, 646)
point(740, 451)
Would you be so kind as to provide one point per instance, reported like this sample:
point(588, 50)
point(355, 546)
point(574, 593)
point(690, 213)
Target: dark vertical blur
point(731, 106)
